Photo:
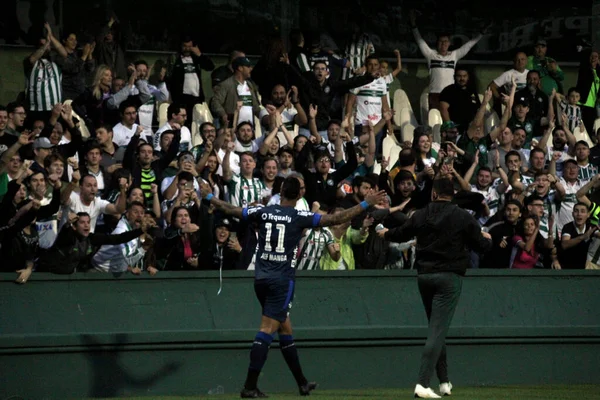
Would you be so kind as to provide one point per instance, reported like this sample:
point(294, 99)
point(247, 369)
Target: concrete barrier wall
point(414, 77)
point(93, 335)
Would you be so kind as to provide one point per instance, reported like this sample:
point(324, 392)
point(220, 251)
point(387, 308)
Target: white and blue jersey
point(278, 237)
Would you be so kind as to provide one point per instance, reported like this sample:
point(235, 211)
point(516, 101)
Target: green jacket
point(550, 80)
point(352, 236)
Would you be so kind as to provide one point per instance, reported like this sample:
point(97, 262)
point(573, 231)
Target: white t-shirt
point(191, 84)
point(369, 101)
point(388, 79)
point(122, 135)
point(245, 96)
point(504, 80)
point(185, 143)
point(253, 146)
point(287, 118)
point(96, 207)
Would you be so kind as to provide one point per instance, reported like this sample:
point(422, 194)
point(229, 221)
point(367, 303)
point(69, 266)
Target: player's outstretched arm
point(227, 208)
point(348, 214)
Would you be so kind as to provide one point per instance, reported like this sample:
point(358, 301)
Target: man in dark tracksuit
point(445, 235)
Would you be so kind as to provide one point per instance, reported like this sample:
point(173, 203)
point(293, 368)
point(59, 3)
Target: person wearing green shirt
point(551, 74)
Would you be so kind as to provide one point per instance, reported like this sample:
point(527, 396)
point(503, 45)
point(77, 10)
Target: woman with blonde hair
point(98, 104)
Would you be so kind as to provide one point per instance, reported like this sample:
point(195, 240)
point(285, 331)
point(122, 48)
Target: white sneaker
point(425, 393)
point(446, 389)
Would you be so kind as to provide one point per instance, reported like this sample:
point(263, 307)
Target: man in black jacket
point(444, 233)
point(322, 185)
point(325, 93)
point(75, 245)
point(185, 79)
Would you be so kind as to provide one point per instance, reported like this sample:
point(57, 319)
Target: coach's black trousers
point(440, 293)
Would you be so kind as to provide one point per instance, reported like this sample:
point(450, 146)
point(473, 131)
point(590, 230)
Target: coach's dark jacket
point(445, 234)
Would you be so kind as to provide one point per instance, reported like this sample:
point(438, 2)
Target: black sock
point(290, 354)
point(258, 356)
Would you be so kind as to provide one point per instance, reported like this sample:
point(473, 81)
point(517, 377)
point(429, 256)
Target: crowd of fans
point(130, 196)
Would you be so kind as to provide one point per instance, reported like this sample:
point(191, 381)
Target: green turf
point(573, 392)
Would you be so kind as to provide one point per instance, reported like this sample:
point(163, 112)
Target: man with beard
point(536, 98)
point(15, 119)
point(519, 137)
point(560, 137)
point(245, 141)
point(237, 88)
point(286, 160)
point(44, 77)
point(185, 80)
point(550, 74)
point(459, 102)
point(505, 145)
point(288, 106)
point(269, 173)
point(116, 258)
point(502, 233)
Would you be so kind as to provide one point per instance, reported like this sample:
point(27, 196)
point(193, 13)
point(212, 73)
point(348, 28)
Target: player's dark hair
point(290, 189)
point(443, 187)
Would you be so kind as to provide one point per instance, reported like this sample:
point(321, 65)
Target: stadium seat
point(596, 126)
point(406, 117)
point(82, 126)
point(408, 132)
point(200, 115)
point(424, 106)
point(581, 134)
point(401, 102)
point(394, 154)
point(434, 120)
point(389, 142)
point(162, 113)
point(257, 127)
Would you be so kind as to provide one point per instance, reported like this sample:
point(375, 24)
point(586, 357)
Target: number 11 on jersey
point(280, 237)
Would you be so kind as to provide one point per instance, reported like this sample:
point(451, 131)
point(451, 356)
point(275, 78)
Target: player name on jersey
point(274, 257)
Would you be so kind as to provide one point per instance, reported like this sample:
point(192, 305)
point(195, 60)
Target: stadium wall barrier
point(414, 77)
point(95, 335)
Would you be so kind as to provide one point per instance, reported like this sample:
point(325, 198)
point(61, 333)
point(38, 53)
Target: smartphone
point(232, 235)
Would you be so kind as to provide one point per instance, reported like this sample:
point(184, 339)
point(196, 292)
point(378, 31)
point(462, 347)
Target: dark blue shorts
point(275, 297)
